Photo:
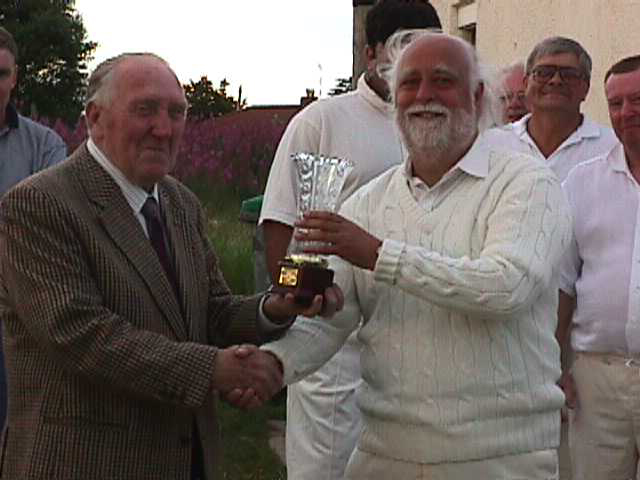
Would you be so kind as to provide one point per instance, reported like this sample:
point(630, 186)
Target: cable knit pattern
point(460, 359)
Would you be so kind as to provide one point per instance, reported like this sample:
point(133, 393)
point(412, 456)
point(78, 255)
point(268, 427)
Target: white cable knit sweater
point(459, 360)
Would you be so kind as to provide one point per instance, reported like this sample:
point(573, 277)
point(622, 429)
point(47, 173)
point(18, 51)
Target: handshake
point(246, 376)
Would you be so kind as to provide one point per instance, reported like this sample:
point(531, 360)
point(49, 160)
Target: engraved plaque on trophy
point(320, 180)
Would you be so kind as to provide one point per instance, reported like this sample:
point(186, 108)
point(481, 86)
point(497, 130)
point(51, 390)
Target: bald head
point(136, 117)
point(411, 46)
point(101, 88)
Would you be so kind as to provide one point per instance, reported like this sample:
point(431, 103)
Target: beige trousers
point(604, 430)
point(541, 465)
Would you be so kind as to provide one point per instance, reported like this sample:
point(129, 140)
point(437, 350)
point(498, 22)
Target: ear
point(479, 93)
point(94, 118)
point(585, 91)
point(14, 80)
point(369, 53)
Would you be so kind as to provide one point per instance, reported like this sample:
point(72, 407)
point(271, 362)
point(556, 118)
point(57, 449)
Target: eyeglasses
point(544, 73)
point(511, 96)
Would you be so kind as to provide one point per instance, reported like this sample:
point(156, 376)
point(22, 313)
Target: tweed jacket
point(107, 368)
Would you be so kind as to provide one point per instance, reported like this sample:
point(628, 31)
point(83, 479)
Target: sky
point(275, 49)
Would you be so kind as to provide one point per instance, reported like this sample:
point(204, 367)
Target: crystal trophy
point(320, 180)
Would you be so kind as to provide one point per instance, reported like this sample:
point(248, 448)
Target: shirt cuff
point(269, 326)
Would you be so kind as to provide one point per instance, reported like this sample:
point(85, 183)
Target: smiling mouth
point(157, 149)
point(427, 115)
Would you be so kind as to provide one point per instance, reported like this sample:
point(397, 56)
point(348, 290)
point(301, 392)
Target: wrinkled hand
point(568, 386)
point(246, 376)
point(278, 306)
point(340, 236)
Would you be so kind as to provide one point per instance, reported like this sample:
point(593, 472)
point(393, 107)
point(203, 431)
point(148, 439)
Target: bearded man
point(449, 260)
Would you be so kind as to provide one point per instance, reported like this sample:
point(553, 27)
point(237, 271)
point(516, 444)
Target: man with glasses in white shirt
point(600, 293)
point(556, 82)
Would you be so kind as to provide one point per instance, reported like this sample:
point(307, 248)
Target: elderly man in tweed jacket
point(111, 369)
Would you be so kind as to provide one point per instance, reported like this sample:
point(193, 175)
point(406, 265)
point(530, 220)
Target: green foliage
point(206, 101)
point(343, 85)
point(53, 55)
point(231, 238)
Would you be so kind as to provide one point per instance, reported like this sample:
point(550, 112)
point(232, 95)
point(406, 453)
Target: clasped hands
point(246, 376)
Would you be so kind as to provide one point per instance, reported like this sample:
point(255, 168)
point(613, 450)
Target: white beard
point(434, 137)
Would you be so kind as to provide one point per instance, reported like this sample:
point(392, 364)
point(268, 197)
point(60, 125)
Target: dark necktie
point(157, 235)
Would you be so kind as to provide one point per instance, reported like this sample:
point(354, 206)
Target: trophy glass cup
point(320, 180)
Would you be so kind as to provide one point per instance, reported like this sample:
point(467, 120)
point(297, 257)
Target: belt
point(614, 359)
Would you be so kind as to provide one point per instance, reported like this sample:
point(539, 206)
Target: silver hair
point(505, 71)
point(556, 46)
point(490, 108)
point(100, 86)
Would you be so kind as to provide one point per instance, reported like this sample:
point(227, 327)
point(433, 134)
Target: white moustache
point(431, 107)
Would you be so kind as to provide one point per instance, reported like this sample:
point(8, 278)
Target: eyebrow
point(444, 68)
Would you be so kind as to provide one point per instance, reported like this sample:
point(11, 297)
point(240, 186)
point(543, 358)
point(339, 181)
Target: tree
point(53, 55)
point(343, 85)
point(206, 101)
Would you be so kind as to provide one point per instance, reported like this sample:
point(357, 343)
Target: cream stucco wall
point(506, 30)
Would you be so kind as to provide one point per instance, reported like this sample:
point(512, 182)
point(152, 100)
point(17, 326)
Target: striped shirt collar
point(134, 195)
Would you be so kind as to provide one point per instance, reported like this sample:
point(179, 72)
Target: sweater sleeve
point(311, 342)
point(527, 232)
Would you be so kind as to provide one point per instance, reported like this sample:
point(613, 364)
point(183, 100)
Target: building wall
point(507, 30)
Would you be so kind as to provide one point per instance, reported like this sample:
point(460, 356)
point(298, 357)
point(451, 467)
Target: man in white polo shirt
point(600, 294)
point(557, 78)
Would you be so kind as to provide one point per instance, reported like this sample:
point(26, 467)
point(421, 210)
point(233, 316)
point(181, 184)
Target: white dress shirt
point(602, 266)
point(134, 195)
point(589, 140)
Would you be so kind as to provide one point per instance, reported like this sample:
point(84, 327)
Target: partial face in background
point(436, 104)
point(376, 56)
point(141, 127)
point(8, 76)
point(623, 98)
point(513, 96)
point(556, 82)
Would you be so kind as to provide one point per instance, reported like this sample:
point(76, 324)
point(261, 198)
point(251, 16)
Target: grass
point(246, 454)
point(232, 239)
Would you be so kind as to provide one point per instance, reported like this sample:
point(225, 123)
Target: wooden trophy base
point(304, 278)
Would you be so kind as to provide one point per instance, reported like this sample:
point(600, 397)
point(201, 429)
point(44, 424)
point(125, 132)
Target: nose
point(162, 124)
point(555, 78)
point(424, 93)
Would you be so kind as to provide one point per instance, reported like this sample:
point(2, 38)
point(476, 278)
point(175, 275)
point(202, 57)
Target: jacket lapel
point(125, 230)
